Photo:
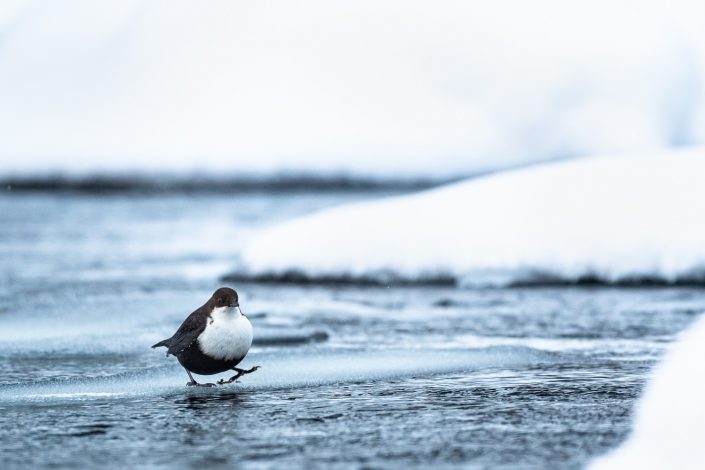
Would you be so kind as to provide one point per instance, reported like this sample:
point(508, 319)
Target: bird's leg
point(193, 383)
point(240, 373)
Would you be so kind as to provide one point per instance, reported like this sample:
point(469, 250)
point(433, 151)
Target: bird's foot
point(196, 384)
point(240, 373)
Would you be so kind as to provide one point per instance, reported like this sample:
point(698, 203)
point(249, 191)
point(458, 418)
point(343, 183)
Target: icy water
point(352, 377)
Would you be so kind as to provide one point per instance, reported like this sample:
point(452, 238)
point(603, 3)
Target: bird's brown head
point(224, 297)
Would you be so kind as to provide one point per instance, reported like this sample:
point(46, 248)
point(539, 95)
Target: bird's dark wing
point(187, 333)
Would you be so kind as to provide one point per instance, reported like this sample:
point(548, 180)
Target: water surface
point(352, 376)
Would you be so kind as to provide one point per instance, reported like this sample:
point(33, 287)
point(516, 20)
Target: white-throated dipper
point(213, 339)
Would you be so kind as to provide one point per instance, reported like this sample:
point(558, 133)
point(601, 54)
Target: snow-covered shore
point(669, 426)
point(610, 219)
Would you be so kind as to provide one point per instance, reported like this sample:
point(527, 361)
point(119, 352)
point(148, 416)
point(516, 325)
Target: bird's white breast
point(228, 334)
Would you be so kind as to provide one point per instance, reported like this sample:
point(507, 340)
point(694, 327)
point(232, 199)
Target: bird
point(213, 339)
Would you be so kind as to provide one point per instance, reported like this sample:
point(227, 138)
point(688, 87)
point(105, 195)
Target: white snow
point(383, 87)
point(614, 218)
point(669, 426)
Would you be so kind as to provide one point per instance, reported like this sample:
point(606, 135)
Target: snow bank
point(367, 87)
point(669, 427)
point(613, 219)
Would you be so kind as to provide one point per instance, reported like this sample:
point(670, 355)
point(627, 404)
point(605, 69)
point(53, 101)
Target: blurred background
point(464, 231)
point(388, 89)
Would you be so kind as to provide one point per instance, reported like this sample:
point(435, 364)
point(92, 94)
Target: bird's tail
point(161, 343)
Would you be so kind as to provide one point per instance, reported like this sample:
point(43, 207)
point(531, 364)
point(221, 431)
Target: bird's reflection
point(208, 400)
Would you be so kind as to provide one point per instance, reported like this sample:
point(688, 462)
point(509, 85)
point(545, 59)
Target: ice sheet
point(287, 370)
